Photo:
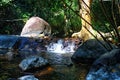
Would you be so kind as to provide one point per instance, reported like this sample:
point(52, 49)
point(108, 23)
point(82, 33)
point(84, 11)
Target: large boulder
point(36, 27)
point(107, 67)
point(33, 62)
point(90, 51)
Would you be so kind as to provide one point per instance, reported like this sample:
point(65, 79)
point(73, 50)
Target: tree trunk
point(85, 13)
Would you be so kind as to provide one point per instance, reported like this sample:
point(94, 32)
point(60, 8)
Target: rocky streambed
point(9, 70)
point(23, 58)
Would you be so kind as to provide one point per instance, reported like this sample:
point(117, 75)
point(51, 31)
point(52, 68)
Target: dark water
point(10, 69)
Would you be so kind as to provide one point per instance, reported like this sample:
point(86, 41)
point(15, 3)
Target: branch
point(11, 20)
point(109, 19)
point(97, 17)
point(113, 15)
point(87, 23)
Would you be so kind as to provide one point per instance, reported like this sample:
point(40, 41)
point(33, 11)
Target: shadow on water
point(61, 72)
point(10, 69)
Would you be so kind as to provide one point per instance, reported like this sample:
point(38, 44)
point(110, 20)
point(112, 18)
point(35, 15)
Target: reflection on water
point(53, 72)
point(66, 73)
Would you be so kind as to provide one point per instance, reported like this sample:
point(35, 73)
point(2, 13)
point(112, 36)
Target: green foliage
point(53, 11)
point(7, 15)
point(3, 2)
point(99, 20)
point(14, 14)
point(106, 15)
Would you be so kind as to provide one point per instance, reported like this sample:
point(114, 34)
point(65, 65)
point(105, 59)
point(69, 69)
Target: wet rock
point(7, 42)
point(29, 46)
point(9, 55)
point(25, 53)
point(28, 77)
point(36, 27)
point(32, 62)
point(107, 67)
point(26, 43)
point(90, 51)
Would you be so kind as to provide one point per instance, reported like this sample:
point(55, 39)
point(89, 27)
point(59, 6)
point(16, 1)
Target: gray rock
point(29, 46)
point(9, 55)
point(107, 67)
point(90, 51)
point(26, 43)
point(32, 62)
point(25, 53)
point(36, 27)
point(28, 77)
point(8, 41)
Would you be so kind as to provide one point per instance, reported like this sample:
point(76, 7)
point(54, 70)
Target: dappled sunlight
point(60, 40)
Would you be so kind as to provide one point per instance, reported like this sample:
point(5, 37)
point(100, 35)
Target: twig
point(96, 17)
point(89, 24)
point(109, 19)
point(12, 20)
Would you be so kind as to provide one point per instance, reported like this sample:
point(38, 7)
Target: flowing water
point(59, 55)
point(10, 69)
point(61, 47)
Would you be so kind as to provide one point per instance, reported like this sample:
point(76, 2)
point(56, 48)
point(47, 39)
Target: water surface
point(10, 69)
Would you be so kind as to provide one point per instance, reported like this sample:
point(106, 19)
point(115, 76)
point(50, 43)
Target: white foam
point(60, 48)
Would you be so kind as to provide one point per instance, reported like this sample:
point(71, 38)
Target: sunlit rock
point(33, 62)
point(28, 77)
point(90, 51)
point(36, 27)
point(107, 67)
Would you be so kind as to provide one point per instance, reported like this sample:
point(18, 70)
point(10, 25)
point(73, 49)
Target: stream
point(60, 67)
point(9, 70)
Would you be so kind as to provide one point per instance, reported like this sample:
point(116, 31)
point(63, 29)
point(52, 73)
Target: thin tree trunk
point(85, 13)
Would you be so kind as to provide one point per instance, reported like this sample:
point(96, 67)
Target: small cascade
point(61, 47)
